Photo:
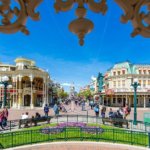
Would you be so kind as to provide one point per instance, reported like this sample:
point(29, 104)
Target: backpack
point(96, 109)
point(129, 109)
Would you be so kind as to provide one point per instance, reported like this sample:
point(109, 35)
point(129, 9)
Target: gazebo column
point(19, 93)
point(44, 98)
point(45, 91)
point(31, 102)
point(13, 88)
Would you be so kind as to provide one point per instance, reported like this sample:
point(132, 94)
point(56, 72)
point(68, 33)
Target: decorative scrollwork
point(138, 14)
point(81, 26)
point(27, 9)
point(14, 19)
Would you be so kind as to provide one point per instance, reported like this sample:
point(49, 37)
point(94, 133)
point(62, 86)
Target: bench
point(116, 121)
point(30, 121)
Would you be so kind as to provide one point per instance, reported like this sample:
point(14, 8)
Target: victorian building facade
point(30, 84)
point(117, 90)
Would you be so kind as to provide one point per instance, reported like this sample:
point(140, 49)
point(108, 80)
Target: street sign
point(147, 117)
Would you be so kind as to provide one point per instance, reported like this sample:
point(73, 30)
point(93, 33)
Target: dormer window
point(118, 72)
point(123, 71)
point(114, 73)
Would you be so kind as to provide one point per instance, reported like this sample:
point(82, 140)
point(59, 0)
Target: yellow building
point(29, 84)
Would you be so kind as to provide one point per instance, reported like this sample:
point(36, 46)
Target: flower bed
point(72, 124)
point(53, 130)
point(61, 128)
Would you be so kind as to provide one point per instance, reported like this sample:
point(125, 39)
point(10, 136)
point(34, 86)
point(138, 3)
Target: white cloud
point(65, 84)
point(93, 78)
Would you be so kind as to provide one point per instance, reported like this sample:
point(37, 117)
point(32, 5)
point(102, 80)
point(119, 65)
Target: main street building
point(117, 90)
point(29, 84)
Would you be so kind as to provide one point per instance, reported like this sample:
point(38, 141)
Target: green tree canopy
point(86, 94)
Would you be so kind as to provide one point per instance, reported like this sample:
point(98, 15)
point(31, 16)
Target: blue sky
point(53, 47)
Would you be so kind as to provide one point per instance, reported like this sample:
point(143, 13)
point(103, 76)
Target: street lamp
point(135, 85)
point(5, 84)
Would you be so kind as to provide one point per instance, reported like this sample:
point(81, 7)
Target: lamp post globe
point(9, 86)
point(1, 85)
point(5, 79)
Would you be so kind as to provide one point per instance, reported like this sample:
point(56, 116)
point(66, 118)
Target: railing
point(141, 126)
point(14, 139)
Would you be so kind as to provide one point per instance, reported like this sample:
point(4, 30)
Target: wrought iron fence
point(141, 126)
point(13, 139)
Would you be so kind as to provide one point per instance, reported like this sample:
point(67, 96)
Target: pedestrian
point(46, 110)
point(5, 116)
point(83, 105)
point(96, 109)
point(127, 111)
point(121, 111)
point(55, 108)
point(91, 104)
point(25, 117)
point(1, 119)
point(103, 111)
point(111, 113)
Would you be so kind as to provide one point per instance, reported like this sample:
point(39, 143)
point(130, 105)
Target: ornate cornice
point(26, 72)
point(129, 76)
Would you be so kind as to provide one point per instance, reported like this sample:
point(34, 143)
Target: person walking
point(111, 113)
point(96, 109)
point(5, 117)
point(46, 110)
point(56, 110)
point(83, 105)
point(103, 111)
point(127, 111)
point(91, 104)
point(1, 119)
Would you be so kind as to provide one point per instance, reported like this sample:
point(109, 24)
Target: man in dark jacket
point(46, 110)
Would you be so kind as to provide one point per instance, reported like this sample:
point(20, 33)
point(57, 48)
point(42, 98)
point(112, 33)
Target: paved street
point(79, 145)
point(16, 114)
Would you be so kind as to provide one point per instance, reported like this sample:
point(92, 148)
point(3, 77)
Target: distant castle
point(72, 92)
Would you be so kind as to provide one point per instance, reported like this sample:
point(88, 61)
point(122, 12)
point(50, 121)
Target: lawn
point(110, 134)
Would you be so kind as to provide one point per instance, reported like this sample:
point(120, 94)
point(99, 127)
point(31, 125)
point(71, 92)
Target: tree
point(62, 94)
point(86, 94)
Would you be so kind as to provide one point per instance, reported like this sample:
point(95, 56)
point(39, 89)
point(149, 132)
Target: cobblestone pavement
point(79, 146)
point(16, 113)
